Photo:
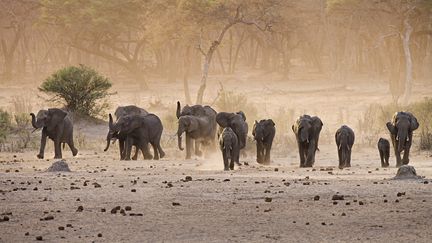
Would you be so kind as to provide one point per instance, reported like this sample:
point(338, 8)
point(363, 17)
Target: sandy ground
point(218, 206)
point(215, 206)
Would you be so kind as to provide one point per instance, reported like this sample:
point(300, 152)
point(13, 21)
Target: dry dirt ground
point(177, 200)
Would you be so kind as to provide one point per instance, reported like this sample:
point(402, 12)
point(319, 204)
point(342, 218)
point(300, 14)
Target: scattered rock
point(80, 209)
point(59, 166)
point(400, 194)
point(133, 190)
point(316, 198)
point(268, 199)
point(61, 228)
point(338, 197)
point(128, 208)
point(115, 209)
point(39, 238)
point(188, 178)
point(99, 235)
point(176, 204)
point(406, 172)
point(49, 217)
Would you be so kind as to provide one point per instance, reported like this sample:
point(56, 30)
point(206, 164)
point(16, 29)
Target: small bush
point(81, 89)
point(5, 126)
point(229, 101)
point(23, 129)
point(422, 110)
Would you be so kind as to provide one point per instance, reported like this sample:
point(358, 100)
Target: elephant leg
point(146, 151)
point(405, 159)
point(225, 160)
point(397, 154)
point(72, 147)
point(122, 149)
point(189, 146)
point(259, 152)
point(267, 153)
point(57, 149)
point(231, 165)
point(128, 148)
point(340, 158)
point(310, 159)
point(42, 145)
point(197, 148)
point(161, 152)
point(386, 158)
point(381, 153)
point(135, 156)
point(348, 164)
point(302, 155)
point(155, 151)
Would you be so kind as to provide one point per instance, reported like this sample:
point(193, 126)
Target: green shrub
point(81, 89)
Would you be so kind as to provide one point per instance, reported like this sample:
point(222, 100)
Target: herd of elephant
point(135, 127)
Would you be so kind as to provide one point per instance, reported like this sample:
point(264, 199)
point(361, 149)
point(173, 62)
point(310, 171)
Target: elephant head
point(262, 129)
point(307, 128)
point(48, 118)
point(227, 141)
point(402, 126)
point(186, 124)
point(236, 121)
point(129, 110)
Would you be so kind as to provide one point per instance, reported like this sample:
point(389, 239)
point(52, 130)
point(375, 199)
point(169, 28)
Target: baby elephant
point(229, 145)
point(384, 151)
point(263, 133)
point(345, 140)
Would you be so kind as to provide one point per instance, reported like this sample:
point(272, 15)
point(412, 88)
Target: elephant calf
point(384, 151)
point(263, 133)
point(57, 125)
point(344, 140)
point(229, 145)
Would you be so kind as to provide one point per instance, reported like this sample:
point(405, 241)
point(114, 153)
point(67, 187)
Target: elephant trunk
point(108, 139)
point(178, 110)
point(227, 152)
point(402, 137)
point(179, 140)
point(33, 121)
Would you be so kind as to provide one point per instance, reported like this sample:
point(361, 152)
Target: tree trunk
point(408, 60)
point(186, 70)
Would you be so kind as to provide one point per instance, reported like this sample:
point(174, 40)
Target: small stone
point(268, 199)
point(133, 190)
point(323, 223)
point(99, 235)
point(396, 201)
point(276, 169)
point(227, 180)
point(338, 197)
point(267, 210)
point(335, 203)
point(103, 210)
point(188, 178)
point(176, 204)
point(39, 238)
point(80, 209)
point(27, 233)
point(115, 209)
point(400, 194)
point(61, 228)
point(69, 225)
point(128, 208)
point(385, 200)
point(316, 198)
point(343, 214)
point(347, 203)
point(307, 223)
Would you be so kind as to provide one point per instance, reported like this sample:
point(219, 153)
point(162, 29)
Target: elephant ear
point(55, 117)
point(270, 122)
point(392, 129)
point(254, 128)
point(316, 124)
point(193, 124)
point(337, 137)
point(242, 114)
point(414, 123)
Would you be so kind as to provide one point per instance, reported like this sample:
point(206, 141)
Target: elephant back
point(129, 110)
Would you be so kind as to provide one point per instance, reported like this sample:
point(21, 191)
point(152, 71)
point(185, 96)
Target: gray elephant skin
point(140, 130)
point(120, 112)
point(307, 130)
point(263, 133)
point(57, 125)
point(229, 146)
point(384, 151)
point(207, 131)
point(401, 130)
point(344, 140)
point(237, 122)
point(196, 128)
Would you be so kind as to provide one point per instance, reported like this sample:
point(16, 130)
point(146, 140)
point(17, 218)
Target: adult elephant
point(344, 140)
point(307, 130)
point(57, 125)
point(401, 130)
point(237, 122)
point(120, 112)
point(140, 130)
point(207, 113)
point(263, 133)
point(196, 128)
